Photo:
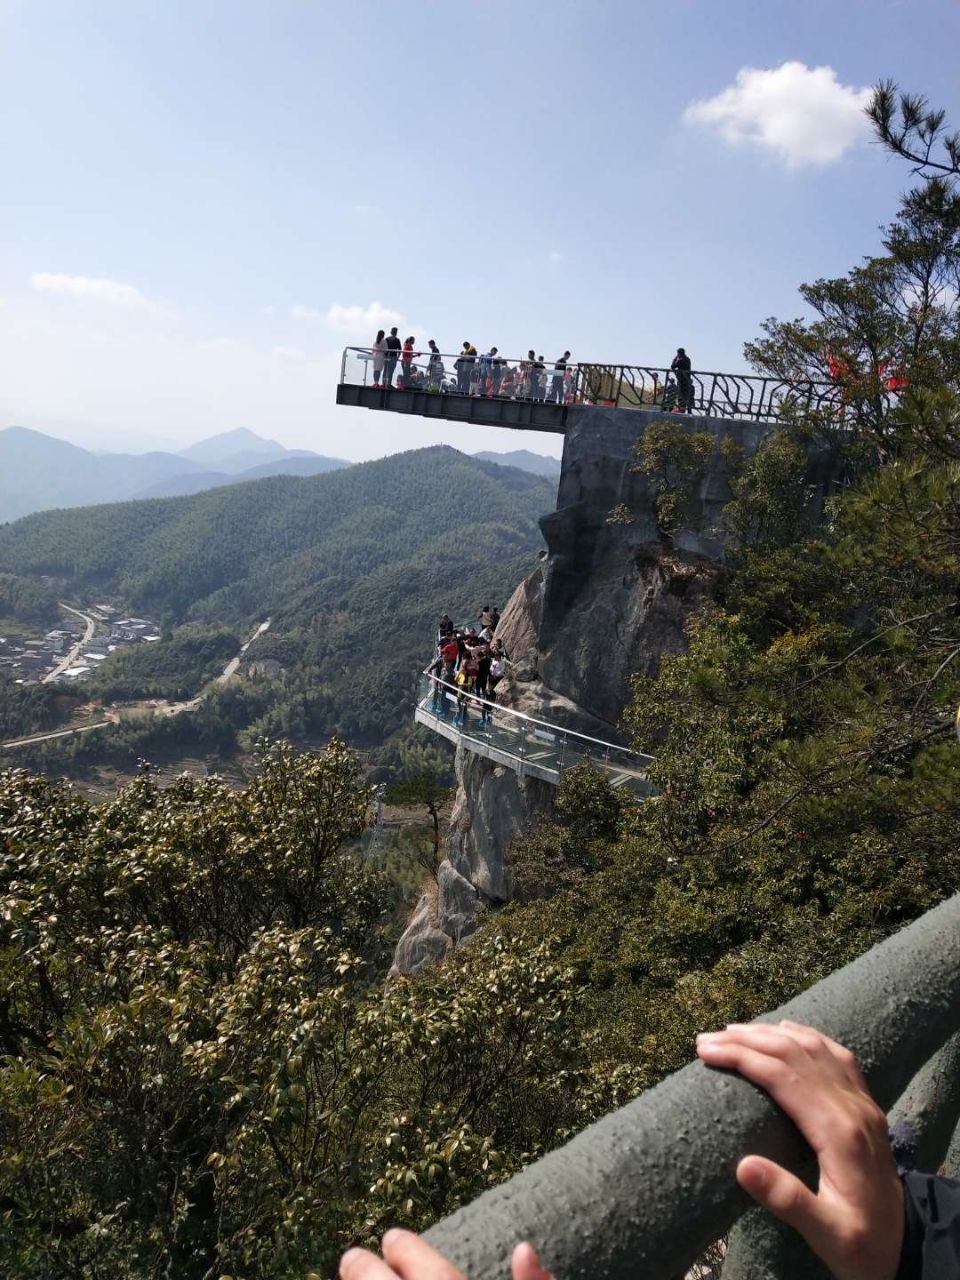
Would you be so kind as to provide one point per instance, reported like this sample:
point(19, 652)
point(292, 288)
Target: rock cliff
point(608, 599)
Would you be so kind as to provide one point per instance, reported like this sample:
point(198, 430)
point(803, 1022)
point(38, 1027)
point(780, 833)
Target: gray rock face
point(519, 625)
point(617, 596)
point(457, 901)
point(423, 941)
point(609, 601)
point(492, 805)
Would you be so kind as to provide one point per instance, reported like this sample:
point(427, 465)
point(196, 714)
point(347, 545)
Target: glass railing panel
point(459, 373)
point(532, 746)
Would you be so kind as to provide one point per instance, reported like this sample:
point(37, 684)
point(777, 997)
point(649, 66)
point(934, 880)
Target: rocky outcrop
point(617, 595)
point(492, 805)
point(609, 599)
point(519, 625)
point(423, 941)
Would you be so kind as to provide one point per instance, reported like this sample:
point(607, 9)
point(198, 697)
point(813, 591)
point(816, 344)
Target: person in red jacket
point(407, 357)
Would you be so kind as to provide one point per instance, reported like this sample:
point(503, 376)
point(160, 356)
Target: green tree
point(429, 792)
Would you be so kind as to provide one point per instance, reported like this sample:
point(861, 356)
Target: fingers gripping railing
point(643, 1191)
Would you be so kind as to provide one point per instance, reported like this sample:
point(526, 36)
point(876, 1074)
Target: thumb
point(526, 1265)
point(783, 1195)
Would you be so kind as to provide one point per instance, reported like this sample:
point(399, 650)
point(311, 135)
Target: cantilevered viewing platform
point(527, 395)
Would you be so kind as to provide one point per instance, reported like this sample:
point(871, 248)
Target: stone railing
point(646, 1189)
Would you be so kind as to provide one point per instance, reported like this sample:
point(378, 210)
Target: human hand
point(407, 1257)
point(854, 1221)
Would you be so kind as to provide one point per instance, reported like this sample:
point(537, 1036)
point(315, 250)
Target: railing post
point(925, 1115)
point(563, 747)
point(951, 1161)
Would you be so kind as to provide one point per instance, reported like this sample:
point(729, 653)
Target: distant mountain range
point(539, 464)
point(38, 472)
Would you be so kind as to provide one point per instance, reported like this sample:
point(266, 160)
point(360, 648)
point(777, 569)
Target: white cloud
point(803, 114)
point(114, 293)
point(300, 312)
point(355, 321)
point(358, 320)
point(556, 257)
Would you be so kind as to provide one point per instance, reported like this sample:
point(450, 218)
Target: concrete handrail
point(644, 1190)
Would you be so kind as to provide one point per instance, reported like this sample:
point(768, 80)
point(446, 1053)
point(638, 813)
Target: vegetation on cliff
point(807, 773)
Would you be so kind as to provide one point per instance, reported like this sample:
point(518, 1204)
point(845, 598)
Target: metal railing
point(622, 386)
point(529, 746)
point(709, 395)
point(646, 1189)
point(480, 374)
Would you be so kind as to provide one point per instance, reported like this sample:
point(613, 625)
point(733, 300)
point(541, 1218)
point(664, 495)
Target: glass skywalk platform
point(530, 747)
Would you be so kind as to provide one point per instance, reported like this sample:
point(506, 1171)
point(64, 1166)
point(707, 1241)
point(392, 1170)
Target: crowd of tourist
point(468, 665)
point(473, 373)
point(487, 373)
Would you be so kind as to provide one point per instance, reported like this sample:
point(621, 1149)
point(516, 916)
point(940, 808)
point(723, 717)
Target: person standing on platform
point(496, 372)
point(379, 354)
point(394, 346)
point(681, 367)
point(435, 369)
point(559, 372)
point(449, 655)
point(465, 362)
point(528, 375)
point(406, 363)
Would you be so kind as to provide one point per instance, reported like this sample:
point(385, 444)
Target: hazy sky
point(204, 200)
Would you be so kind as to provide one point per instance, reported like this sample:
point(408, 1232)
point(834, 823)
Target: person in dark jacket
point(681, 367)
point(865, 1221)
point(559, 373)
point(394, 347)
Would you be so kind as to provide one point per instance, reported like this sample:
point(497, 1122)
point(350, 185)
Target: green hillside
point(354, 567)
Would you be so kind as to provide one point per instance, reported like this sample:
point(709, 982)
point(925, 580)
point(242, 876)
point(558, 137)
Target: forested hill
point(354, 568)
point(279, 544)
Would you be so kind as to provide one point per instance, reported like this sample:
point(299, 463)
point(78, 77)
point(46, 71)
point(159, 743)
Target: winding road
point(74, 653)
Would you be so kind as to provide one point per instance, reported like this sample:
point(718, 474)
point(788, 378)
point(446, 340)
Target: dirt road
point(231, 667)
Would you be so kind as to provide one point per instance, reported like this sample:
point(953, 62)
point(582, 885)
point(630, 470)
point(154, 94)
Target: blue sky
point(204, 201)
